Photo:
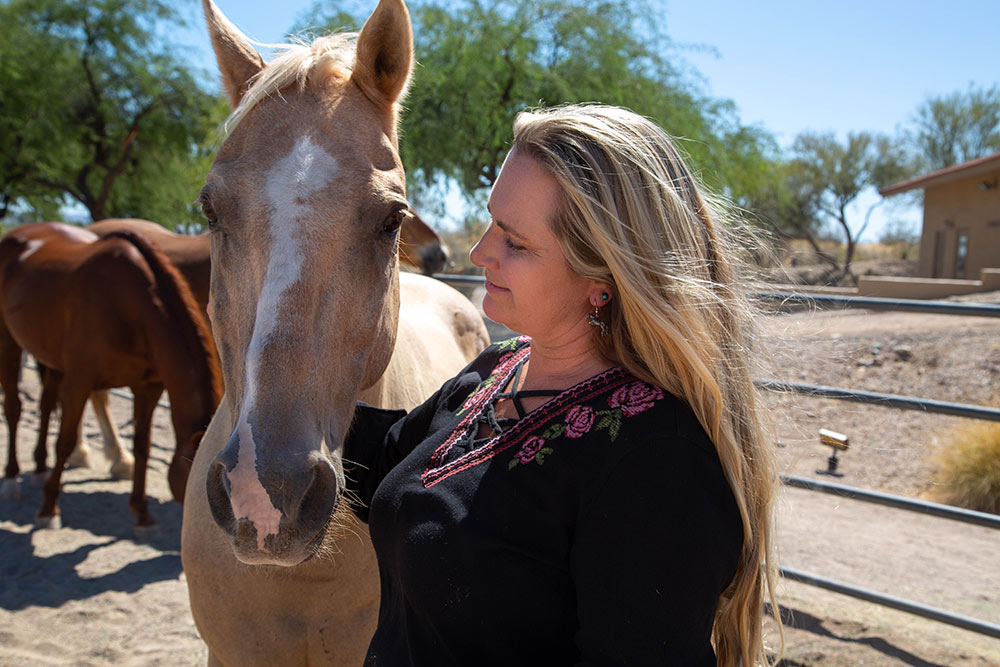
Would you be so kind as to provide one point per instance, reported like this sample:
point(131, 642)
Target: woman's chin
point(492, 310)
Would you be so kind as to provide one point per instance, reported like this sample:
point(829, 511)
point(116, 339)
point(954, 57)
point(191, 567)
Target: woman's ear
point(599, 294)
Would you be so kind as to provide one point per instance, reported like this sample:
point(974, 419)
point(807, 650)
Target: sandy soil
point(91, 594)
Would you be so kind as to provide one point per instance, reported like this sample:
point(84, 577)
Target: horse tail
point(176, 297)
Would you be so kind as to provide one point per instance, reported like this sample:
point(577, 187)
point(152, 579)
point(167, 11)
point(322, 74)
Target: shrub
point(968, 472)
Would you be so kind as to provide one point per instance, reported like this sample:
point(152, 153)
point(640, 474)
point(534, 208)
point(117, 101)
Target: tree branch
point(116, 170)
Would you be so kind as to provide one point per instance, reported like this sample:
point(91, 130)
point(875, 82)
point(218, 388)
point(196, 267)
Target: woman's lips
point(493, 287)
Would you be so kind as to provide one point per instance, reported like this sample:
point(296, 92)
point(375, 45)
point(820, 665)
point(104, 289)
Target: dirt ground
point(91, 594)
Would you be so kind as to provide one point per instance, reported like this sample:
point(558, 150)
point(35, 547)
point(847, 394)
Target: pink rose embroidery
point(635, 398)
point(529, 449)
point(579, 420)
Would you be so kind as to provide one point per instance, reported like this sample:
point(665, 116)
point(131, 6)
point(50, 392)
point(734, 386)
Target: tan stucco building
point(961, 231)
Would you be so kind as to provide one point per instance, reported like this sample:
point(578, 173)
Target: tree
point(957, 127)
point(480, 63)
point(96, 110)
point(829, 176)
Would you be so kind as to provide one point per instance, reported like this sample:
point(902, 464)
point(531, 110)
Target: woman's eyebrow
point(504, 226)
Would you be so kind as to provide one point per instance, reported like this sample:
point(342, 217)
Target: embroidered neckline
point(438, 469)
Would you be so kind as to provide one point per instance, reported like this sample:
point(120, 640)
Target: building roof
point(948, 174)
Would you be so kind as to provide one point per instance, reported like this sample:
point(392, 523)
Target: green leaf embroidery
point(513, 463)
point(508, 344)
point(554, 431)
point(612, 421)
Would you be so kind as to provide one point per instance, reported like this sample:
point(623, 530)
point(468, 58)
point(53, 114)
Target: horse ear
point(385, 53)
point(238, 61)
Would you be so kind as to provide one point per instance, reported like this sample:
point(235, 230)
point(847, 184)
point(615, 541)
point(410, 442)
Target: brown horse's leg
point(10, 371)
point(73, 400)
point(146, 397)
point(51, 380)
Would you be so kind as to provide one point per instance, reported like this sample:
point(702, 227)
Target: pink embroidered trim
point(609, 380)
point(502, 372)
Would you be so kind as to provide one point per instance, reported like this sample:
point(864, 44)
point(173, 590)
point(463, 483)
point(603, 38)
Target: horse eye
point(208, 211)
point(394, 221)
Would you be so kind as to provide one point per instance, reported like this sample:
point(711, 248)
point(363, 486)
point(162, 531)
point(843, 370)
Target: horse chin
point(282, 550)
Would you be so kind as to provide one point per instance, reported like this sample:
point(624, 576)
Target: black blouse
point(598, 529)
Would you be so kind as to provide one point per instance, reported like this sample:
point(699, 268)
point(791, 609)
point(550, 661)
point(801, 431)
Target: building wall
point(959, 208)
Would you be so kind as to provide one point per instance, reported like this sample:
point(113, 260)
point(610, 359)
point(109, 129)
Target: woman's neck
point(564, 365)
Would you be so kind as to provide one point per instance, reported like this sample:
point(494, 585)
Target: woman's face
point(529, 286)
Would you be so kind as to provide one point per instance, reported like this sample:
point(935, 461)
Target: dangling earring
point(594, 320)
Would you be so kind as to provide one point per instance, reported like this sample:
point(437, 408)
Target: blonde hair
point(632, 216)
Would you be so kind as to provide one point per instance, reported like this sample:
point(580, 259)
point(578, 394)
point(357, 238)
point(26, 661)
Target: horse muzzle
point(273, 514)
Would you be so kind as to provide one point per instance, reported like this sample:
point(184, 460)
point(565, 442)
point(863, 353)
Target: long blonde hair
point(631, 215)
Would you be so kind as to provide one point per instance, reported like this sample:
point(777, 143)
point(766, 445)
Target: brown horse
point(310, 312)
point(101, 313)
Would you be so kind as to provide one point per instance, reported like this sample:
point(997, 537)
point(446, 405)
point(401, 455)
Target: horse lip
point(292, 553)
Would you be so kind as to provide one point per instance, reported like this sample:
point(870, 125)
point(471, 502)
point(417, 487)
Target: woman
point(599, 490)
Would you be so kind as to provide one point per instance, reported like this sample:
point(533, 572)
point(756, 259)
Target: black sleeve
point(377, 440)
point(653, 551)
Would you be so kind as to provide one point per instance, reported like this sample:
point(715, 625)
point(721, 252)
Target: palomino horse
point(310, 313)
point(102, 313)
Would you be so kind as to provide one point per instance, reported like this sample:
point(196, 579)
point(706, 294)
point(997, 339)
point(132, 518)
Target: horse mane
point(331, 54)
point(176, 298)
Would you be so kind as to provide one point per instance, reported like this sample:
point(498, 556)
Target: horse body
point(55, 303)
point(305, 199)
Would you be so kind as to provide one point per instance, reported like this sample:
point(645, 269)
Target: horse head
point(304, 202)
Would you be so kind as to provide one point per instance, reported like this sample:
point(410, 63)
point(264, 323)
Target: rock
point(903, 352)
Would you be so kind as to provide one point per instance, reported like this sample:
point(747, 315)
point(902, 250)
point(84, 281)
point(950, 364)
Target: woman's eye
point(513, 246)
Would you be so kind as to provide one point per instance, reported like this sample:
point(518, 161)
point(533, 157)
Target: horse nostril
point(319, 500)
point(219, 501)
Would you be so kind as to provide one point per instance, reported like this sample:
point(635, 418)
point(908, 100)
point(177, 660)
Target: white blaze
point(30, 248)
point(290, 183)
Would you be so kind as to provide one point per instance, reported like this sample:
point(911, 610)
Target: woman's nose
point(479, 254)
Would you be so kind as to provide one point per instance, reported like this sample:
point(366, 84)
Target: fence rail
point(900, 502)
point(878, 303)
point(933, 613)
point(929, 405)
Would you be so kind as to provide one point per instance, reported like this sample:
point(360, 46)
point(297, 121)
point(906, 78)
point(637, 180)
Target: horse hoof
point(122, 469)
point(80, 458)
point(53, 521)
point(10, 489)
point(146, 532)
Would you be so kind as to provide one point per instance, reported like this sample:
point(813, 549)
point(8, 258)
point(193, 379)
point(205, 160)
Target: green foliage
point(95, 109)
point(957, 127)
point(480, 63)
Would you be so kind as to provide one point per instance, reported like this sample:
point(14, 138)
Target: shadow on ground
point(800, 620)
point(30, 579)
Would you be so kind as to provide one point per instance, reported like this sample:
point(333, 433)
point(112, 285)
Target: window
point(961, 253)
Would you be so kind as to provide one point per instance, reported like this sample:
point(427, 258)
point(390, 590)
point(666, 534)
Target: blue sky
point(790, 66)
